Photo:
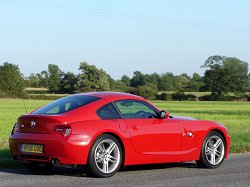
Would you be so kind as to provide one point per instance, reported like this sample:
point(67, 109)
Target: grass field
point(234, 115)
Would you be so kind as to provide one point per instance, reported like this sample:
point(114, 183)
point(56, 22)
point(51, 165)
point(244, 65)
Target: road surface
point(235, 171)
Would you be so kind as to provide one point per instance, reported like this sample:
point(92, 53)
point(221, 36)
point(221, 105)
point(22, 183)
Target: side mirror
point(163, 114)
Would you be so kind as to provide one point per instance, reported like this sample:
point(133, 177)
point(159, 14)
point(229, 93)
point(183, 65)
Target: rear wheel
point(213, 151)
point(105, 156)
point(39, 167)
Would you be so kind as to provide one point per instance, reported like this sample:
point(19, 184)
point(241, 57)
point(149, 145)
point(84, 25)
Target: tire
point(212, 151)
point(38, 167)
point(105, 156)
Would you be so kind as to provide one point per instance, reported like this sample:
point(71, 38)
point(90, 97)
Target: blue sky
point(122, 36)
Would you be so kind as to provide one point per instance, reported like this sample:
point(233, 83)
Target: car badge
point(32, 124)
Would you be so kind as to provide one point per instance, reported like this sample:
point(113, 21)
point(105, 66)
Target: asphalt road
point(235, 171)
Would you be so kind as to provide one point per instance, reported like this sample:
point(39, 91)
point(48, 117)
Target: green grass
point(6, 160)
point(9, 112)
point(234, 115)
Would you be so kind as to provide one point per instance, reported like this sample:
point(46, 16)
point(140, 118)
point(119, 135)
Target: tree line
point(222, 75)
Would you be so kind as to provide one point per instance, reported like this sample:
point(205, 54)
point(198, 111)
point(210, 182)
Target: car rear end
point(45, 139)
point(46, 135)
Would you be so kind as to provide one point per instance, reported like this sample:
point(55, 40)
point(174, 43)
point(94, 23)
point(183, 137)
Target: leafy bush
point(191, 97)
point(3, 94)
point(146, 92)
point(178, 96)
point(214, 97)
point(165, 97)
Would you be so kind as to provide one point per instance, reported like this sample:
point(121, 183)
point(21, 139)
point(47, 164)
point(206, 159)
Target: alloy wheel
point(214, 150)
point(107, 156)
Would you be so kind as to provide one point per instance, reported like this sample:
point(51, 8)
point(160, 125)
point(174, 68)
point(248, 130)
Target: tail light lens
point(63, 130)
point(15, 128)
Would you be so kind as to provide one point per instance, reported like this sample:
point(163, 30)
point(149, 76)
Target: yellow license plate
point(31, 148)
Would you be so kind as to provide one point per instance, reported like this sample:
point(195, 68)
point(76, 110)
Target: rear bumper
point(70, 150)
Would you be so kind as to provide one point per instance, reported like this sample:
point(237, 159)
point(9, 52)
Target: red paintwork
point(144, 140)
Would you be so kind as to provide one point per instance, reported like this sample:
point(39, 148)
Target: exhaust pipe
point(55, 162)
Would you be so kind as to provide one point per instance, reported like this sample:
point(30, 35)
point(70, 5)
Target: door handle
point(187, 133)
point(190, 134)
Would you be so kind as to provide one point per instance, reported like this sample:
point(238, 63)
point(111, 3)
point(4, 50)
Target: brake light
point(63, 130)
point(15, 128)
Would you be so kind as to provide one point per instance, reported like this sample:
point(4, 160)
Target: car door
point(149, 134)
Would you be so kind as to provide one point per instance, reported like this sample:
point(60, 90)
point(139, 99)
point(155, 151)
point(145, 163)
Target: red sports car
point(109, 130)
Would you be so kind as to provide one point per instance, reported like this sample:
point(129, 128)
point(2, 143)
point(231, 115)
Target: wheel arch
point(222, 134)
point(213, 130)
point(203, 162)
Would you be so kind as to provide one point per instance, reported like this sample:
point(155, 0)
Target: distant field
point(197, 94)
point(200, 94)
point(234, 115)
point(9, 112)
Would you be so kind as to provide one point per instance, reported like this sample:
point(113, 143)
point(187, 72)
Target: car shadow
point(81, 171)
point(160, 166)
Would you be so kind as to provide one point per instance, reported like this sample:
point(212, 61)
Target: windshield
point(66, 104)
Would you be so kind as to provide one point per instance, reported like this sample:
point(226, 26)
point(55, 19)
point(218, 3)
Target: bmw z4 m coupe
point(108, 130)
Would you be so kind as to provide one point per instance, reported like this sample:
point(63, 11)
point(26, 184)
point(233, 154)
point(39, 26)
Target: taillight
point(15, 128)
point(63, 130)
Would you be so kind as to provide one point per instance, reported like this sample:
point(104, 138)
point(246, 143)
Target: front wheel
point(213, 151)
point(105, 156)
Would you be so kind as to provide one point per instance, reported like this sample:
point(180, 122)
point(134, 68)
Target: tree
point(34, 80)
point(153, 79)
point(248, 84)
point(43, 79)
point(138, 79)
point(167, 82)
point(11, 81)
point(54, 78)
point(195, 83)
point(182, 82)
point(68, 83)
point(112, 82)
point(125, 80)
point(146, 91)
point(92, 78)
point(225, 74)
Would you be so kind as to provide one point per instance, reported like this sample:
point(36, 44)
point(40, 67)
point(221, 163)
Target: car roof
point(113, 95)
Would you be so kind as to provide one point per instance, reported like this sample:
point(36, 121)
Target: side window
point(108, 112)
point(135, 109)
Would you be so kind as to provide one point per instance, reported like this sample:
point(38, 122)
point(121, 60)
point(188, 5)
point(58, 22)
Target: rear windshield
point(66, 104)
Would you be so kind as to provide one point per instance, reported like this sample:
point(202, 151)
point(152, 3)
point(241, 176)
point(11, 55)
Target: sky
point(122, 36)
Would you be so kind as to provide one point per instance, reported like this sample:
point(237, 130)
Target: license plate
point(31, 148)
